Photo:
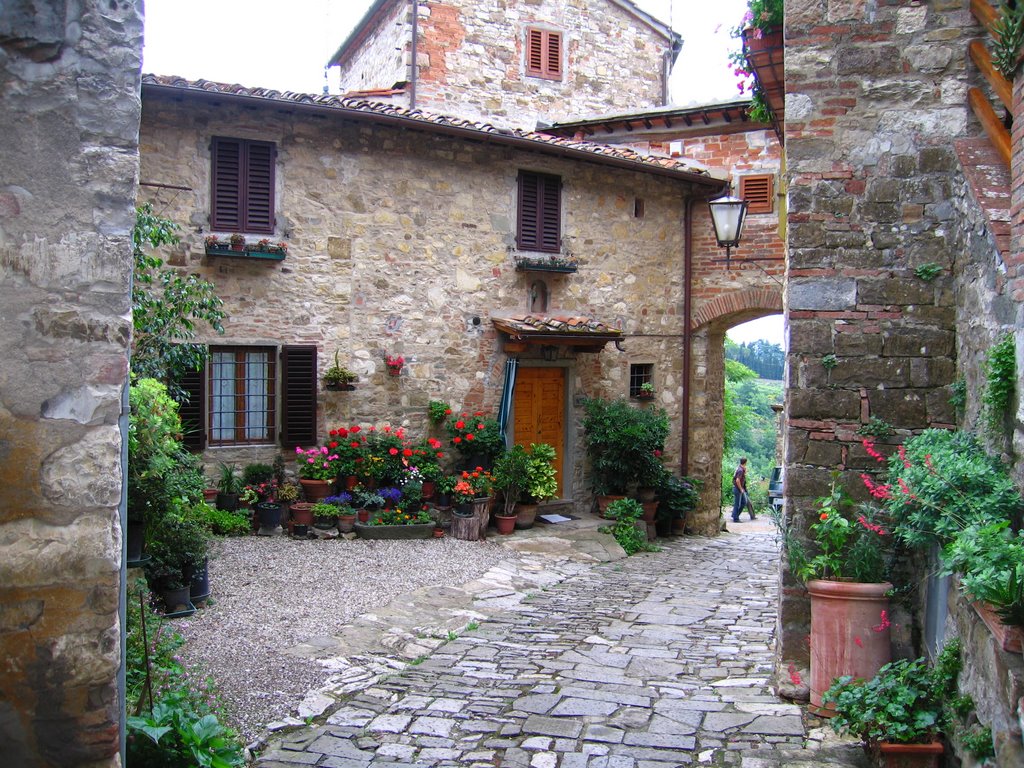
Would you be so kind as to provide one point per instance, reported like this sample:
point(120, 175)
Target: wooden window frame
point(240, 394)
point(543, 53)
point(539, 214)
point(640, 373)
point(759, 192)
point(242, 185)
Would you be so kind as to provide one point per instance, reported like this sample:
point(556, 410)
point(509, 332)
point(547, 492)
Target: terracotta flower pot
point(505, 524)
point(346, 523)
point(910, 755)
point(316, 490)
point(302, 513)
point(849, 633)
point(526, 515)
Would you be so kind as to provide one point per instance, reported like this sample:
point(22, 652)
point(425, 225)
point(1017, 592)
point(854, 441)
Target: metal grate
point(640, 374)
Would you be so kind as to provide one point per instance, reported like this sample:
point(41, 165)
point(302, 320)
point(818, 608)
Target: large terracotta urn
point(849, 633)
point(316, 490)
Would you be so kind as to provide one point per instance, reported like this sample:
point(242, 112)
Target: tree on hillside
point(761, 356)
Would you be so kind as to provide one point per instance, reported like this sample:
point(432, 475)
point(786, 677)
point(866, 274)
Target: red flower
point(456, 440)
point(657, 452)
point(354, 429)
point(393, 451)
point(407, 452)
point(824, 516)
point(433, 442)
point(447, 411)
point(332, 444)
point(354, 444)
point(469, 436)
point(460, 424)
point(480, 426)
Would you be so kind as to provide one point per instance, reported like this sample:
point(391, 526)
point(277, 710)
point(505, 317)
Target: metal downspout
point(414, 75)
point(684, 452)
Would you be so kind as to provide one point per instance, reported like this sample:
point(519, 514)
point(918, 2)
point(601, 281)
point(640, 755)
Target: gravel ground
point(271, 593)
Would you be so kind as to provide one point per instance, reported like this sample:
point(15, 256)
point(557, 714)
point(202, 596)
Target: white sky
point(258, 44)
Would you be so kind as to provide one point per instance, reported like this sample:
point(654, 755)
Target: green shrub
point(1000, 381)
point(624, 444)
point(991, 561)
point(254, 474)
point(222, 522)
point(943, 482)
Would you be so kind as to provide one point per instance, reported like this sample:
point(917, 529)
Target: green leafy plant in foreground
point(1000, 381)
point(626, 512)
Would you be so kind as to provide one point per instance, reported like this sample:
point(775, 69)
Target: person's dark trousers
point(737, 503)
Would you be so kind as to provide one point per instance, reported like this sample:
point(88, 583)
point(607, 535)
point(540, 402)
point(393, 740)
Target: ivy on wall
point(1000, 384)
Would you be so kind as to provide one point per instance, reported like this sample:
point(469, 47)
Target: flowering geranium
point(462, 492)
point(851, 542)
point(317, 463)
point(480, 481)
point(476, 434)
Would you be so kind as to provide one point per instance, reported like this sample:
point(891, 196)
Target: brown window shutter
point(540, 212)
point(758, 192)
point(535, 52)
point(298, 399)
point(553, 62)
point(191, 412)
point(226, 184)
point(259, 187)
point(551, 214)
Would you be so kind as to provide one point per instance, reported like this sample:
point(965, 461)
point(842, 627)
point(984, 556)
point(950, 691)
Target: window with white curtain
point(242, 395)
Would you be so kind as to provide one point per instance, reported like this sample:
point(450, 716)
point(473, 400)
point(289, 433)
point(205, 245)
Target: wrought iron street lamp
point(727, 215)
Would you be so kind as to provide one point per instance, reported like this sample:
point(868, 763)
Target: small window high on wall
point(544, 54)
point(640, 374)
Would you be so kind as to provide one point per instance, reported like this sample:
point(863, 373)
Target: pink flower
point(884, 625)
point(393, 451)
point(793, 674)
point(905, 488)
point(859, 642)
point(870, 448)
point(903, 456)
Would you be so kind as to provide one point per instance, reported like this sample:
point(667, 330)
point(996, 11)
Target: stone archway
point(710, 322)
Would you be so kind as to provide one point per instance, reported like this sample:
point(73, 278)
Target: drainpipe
point(684, 453)
point(415, 61)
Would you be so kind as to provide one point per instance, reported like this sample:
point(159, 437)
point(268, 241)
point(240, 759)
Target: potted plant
point(366, 501)
point(624, 446)
point(541, 483)
point(845, 576)
point(646, 391)
point(676, 497)
point(338, 377)
point(229, 486)
point(318, 469)
point(477, 438)
point(430, 474)
point(394, 364)
point(325, 513)
point(438, 411)
point(445, 487)
point(237, 242)
point(397, 523)
point(178, 545)
point(900, 712)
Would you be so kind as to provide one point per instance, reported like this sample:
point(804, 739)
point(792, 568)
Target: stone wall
point(875, 97)
point(70, 119)
point(383, 58)
point(471, 61)
point(403, 243)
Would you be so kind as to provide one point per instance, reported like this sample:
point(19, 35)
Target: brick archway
point(710, 322)
point(747, 305)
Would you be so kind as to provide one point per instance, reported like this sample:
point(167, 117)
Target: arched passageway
point(711, 321)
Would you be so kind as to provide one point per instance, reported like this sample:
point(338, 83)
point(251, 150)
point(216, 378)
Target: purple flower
point(390, 494)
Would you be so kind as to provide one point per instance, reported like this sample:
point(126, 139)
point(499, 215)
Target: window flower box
point(249, 251)
point(545, 264)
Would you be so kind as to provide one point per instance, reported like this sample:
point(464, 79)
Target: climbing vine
point(1000, 374)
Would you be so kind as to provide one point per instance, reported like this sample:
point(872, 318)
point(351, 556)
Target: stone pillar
point(69, 117)
point(874, 100)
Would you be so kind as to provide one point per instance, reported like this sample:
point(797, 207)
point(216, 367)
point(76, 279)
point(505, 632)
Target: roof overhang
point(701, 184)
point(360, 32)
point(661, 124)
point(582, 334)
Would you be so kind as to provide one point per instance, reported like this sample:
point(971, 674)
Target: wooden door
point(539, 408)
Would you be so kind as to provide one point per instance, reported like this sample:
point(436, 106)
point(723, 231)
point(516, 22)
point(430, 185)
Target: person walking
point(740, 498)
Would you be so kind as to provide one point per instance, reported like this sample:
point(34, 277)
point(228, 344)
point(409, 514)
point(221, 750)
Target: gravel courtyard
point(271, 593)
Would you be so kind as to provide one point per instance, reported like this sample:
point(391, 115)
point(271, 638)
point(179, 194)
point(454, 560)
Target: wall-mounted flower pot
point(1010, 638)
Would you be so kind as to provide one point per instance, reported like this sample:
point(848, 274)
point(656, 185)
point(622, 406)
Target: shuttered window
point(544, 54)
point(298, 382)
point(242, 185)
point(540, 212)
point(193, 425)
point(758, 191)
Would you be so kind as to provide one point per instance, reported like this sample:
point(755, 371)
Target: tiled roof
point(382, 112)
point(557, 325)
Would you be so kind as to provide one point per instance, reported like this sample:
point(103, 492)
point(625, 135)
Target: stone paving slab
point(575, 659)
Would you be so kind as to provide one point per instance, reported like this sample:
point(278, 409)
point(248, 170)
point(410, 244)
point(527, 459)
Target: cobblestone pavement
point(657, 660)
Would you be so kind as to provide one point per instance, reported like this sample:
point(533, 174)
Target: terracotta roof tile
point(556, 324)
point(367, 107)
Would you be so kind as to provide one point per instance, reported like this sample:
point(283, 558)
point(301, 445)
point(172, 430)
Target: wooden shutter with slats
point(242, 185)
point(758, 192)
point(540, 212)
point(298, 398)
point(192, 427)
point(544, 54)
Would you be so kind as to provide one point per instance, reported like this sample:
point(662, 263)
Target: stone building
point(512, 64)
point(407, 235)
point(70, 120)
point(886, 175)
